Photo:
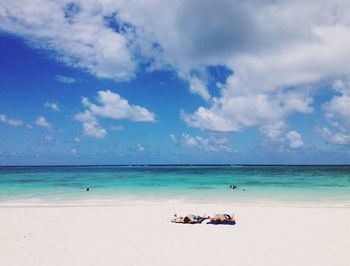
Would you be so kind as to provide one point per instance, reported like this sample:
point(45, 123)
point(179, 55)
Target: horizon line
point(145, 165)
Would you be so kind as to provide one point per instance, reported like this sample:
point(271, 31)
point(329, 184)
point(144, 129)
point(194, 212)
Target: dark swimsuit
point(196, 219)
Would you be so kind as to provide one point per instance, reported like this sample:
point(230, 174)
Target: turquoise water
point(254, 183)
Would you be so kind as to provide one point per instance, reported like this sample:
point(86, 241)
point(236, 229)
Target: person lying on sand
point(222, 218)
point(190, 219)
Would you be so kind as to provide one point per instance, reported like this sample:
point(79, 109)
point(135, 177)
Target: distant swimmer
point(87, 189)
point(233, 186)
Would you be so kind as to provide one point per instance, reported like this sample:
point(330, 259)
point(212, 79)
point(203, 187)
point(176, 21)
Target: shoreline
point(105, 202)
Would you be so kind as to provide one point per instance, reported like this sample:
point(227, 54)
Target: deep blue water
point(254, 183)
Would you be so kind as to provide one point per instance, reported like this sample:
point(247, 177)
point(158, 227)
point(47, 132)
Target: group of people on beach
point(197, 219)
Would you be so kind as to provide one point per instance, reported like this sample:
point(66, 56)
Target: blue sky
point(95, 82)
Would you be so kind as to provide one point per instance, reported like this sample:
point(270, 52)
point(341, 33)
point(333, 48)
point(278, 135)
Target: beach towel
point(224, 223)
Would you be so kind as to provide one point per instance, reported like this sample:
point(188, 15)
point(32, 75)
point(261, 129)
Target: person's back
point(221, 218)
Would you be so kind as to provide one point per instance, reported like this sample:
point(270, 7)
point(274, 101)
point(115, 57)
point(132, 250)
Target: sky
point(161, 82)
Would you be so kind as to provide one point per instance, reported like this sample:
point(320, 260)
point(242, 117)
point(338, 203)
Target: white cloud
point(234, 112)
point(208, 120)
point(42, 122)
point(274, 132)
point(53, 106)
point(337, 138)
point(277, 134)
point(90, 125)
point(65, 79)
point(115, 107)
point(342, 86)
point(339, 106)
point(210, 144)
point(198, 87)
point(337, 112)
point(295, 140)
point(93, 129)
point(140, 148)
point(10, 121)
point(76, 32)
point(111, 105)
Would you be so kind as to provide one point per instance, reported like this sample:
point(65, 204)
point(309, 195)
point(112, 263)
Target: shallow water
point(203, 183)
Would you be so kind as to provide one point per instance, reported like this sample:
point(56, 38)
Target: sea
point(188, 183)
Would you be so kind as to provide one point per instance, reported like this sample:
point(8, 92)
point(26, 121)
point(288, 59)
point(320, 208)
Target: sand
point(137, 233)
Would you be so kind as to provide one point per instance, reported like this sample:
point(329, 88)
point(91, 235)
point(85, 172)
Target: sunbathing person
point(222, 218)
point(190, 219)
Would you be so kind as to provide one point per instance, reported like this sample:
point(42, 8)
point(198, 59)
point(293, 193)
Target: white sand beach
point(137, 233)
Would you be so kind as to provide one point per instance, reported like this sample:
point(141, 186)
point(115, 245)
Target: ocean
point(207, 183)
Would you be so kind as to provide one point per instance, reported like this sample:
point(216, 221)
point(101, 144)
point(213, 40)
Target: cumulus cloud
point(277, 134)
point(110, 105)
point(42, 122)
point(339, 106)
point(65, 79)
point(295, 140)
point(234, 112)
point(10, 121)
point(274, 132)
point(210, 144)
point(115, 107)
point(337, 138)
point(53, 106)
point(338, 115)
point(90, 125)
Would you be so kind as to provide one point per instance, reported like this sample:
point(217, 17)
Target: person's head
point(186, 220)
